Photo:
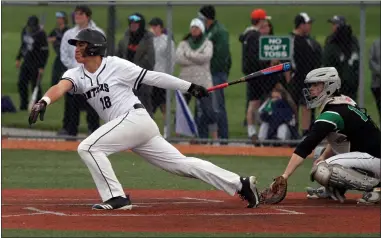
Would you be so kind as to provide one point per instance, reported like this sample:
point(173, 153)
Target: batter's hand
point(198, 91)
point(38, 108)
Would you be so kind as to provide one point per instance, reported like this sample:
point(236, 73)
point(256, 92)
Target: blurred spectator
point(277, 116)
point(220, 64)
point(266, 29)
point(55, 37)
point(74, 103)
point(258, 88)
point(194, 55)
point(307, 55)
point(34, 52)
point(375, 68)
point(137, 46)
point(73, 18)
point(162, 63)
point(342, 52)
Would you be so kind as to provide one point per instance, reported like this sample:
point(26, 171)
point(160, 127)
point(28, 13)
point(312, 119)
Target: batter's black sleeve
point(318, 132)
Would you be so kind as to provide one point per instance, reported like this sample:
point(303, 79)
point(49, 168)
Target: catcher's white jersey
point(109, 90)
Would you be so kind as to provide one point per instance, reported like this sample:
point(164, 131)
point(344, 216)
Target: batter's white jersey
point(109, 90)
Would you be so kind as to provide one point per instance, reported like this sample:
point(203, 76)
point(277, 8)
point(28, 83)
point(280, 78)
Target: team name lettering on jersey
point(92, 92)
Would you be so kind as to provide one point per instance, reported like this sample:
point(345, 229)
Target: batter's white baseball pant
point(358, 160)
point(137, 131)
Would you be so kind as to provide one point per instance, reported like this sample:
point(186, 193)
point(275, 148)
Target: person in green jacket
point(220, 63)
point(342, 52)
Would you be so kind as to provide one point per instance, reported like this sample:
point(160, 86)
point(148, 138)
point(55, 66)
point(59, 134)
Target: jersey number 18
point(106, 103)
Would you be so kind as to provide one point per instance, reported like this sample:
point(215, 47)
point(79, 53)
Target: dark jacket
point(34, 48)
point(58, 34)
point(250, 51)
point(221, 60)
point(145, 52)
point(307, 55)
point(342, 52)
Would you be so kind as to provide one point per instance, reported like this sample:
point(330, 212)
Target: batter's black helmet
point(97, 42)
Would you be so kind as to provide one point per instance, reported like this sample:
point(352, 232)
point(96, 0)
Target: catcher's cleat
point(249, 191)
point(115, 203)
point(373, 197)
point(316, 193)
point(326, 193)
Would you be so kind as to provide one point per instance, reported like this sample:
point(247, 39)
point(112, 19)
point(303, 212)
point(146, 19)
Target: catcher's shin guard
point(338, 176)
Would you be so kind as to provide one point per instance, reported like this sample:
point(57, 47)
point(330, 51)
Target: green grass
point(39, 233)
point(235, 18)
point(48, 169)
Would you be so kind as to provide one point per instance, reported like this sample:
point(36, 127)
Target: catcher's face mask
point(322, 83)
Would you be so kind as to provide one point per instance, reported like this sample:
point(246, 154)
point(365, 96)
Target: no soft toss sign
point(275, 47)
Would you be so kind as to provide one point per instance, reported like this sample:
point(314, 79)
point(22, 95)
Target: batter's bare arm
point(57, 91)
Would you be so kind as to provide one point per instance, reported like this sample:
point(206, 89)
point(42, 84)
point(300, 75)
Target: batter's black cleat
point(249, 191)
point(115, 203)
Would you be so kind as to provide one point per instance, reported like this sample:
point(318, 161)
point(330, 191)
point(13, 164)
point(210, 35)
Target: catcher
point(351, 159)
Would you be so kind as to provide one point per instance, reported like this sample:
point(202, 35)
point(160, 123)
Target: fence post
point(361, 90)
point(167, 123)
point(111, 28)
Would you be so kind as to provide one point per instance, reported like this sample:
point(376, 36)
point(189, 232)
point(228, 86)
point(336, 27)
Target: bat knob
point(286, 66)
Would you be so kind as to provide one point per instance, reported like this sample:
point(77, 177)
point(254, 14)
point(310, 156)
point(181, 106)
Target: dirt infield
point(183, 211)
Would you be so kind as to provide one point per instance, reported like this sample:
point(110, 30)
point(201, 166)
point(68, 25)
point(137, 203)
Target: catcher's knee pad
point(338, 176)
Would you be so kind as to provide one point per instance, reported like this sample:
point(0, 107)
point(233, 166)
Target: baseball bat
point(33, 98)
point(267, 71)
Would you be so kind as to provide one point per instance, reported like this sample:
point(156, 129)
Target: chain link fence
point(206, 46)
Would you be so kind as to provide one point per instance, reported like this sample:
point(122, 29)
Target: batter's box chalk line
point(97, 200)
point(181, 200)
point(55, 213)
point(36, 211)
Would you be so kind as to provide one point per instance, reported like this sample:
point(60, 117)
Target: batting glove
point(198, 91)
point(38, 108)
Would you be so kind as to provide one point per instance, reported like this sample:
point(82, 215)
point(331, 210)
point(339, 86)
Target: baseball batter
point(351, 160)
point(107, 84)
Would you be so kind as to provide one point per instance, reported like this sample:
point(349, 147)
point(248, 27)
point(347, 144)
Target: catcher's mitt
point(276, 193)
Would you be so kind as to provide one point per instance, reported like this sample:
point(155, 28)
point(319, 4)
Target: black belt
point(138, 105)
